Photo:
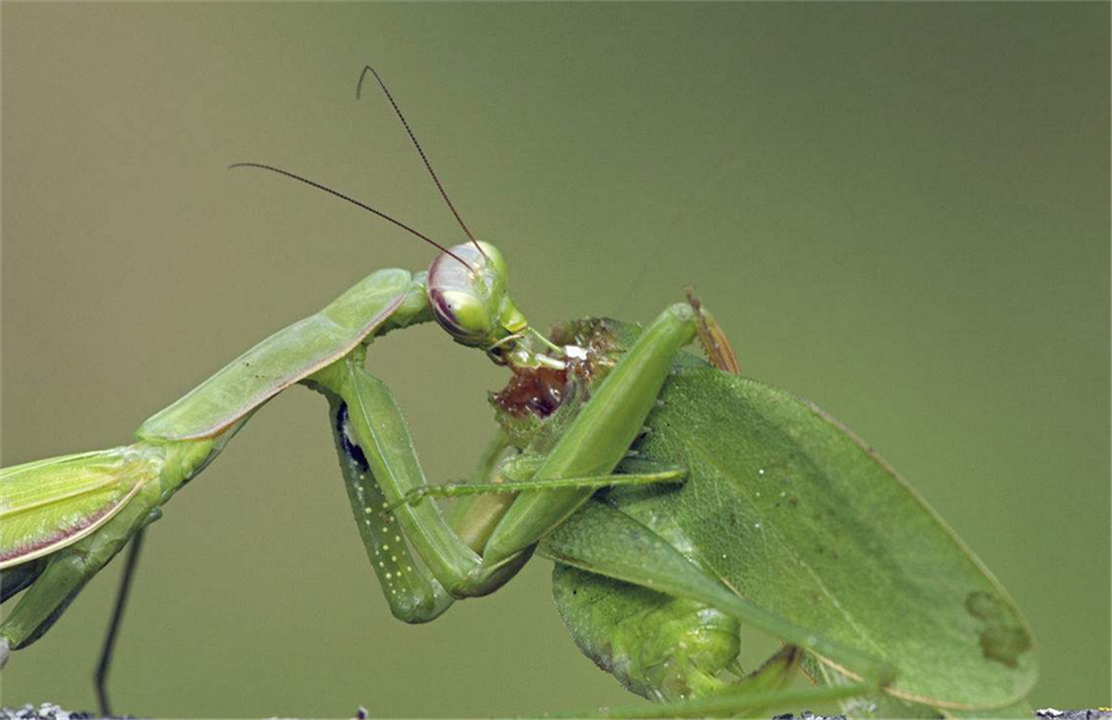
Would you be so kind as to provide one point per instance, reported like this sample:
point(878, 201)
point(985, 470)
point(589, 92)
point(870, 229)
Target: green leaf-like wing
point(796, 514)
point(50, 504)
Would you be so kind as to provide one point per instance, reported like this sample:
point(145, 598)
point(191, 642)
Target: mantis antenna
point(356, 203)
point(420, 150)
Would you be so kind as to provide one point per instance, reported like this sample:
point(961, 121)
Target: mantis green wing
point(797, 515)
point(49, 504)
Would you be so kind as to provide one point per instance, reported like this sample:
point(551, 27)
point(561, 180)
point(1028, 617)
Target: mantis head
point(469, 298)
point(466, 283)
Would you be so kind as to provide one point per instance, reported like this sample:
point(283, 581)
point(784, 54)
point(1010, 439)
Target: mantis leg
point(100, 679)
point(372, 423)
point(413, 594)
point(67, 570)
point(20, 577)
point(593, 445)
point(600, 436)
point(66, 517)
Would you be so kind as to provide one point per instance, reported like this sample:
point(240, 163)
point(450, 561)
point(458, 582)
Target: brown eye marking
point(446, 305)
point(443, 311)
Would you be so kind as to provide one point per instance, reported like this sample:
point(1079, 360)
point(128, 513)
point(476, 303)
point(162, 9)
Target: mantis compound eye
point(463, 315)
point(467, 295)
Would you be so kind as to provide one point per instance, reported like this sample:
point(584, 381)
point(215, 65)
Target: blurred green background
point(897, 211)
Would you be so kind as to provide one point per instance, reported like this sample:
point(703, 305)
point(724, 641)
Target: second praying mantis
point(64, 518)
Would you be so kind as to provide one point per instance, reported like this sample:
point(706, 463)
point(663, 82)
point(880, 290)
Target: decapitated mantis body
point(662, 614)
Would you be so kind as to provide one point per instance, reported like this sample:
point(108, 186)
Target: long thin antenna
point(428, 165)
point(355, 202)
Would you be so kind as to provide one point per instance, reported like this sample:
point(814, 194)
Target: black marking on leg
point(351, 448)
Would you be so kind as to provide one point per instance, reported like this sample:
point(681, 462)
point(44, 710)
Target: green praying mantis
point(676, 498)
